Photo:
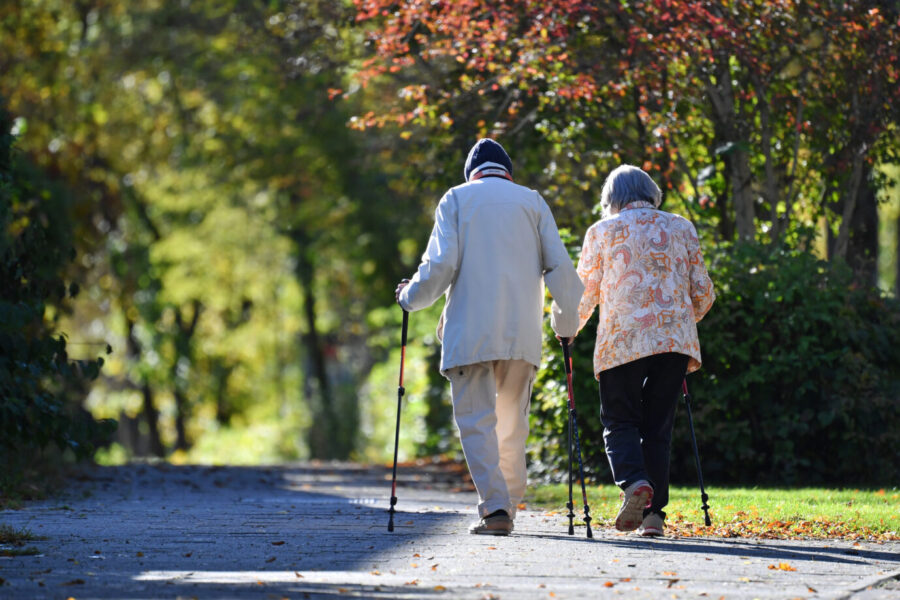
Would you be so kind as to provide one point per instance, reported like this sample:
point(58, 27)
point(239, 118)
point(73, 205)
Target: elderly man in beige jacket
point(493, 246)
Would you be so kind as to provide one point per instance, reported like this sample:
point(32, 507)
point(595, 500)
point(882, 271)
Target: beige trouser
point(491, 401)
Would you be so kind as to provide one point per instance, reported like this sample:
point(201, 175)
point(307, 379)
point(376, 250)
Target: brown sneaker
point(496, 523)
point(652, 526)
point(635, 499)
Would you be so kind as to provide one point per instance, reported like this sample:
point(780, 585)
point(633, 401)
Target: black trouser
point(637, 407)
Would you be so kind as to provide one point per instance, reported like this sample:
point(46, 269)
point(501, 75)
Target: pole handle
point(405, 327)
point(567, 359)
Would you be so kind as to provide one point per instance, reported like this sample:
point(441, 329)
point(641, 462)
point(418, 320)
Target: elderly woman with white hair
point(643, 268)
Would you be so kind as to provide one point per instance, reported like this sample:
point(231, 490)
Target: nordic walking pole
point(573, 425)
point(400, 392)
point(703, 496)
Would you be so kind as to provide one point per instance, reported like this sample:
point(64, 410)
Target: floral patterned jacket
point(644, 269)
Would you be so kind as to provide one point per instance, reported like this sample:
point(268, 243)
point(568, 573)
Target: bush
point(40, 388)
point(800, 380)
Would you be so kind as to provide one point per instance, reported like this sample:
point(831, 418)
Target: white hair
point(626, 184)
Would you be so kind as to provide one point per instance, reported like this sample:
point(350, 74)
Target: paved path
point(319, 531)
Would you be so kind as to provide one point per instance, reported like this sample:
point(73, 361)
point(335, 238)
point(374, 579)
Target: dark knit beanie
point(484, 151)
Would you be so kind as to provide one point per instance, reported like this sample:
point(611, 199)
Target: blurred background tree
point(246, 182)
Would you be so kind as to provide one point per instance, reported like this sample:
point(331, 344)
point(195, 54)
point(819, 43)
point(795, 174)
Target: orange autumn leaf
point(608, 584)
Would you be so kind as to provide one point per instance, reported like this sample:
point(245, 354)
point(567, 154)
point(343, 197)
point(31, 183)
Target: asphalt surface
point(320, 531)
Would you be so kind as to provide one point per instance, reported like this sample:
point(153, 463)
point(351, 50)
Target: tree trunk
point(897, 260)
point(183, 336)
point(151, 415)
point(222, 372)
point(730, 144)
point(848, 207)
point(323, 437)
point(862, 247)
point(148, 408)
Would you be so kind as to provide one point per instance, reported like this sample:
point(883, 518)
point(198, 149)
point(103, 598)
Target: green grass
point(751, 512)
point(12, 541)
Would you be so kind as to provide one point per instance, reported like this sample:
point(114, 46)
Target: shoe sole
point(651, 532)
point(490, 532)
point(632, 512)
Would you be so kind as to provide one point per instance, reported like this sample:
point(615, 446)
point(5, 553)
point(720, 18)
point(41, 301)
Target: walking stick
point(703, 496)
point(400, 392)
point(573, 426)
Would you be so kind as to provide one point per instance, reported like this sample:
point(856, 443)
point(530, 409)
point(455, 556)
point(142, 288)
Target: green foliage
point(801, 373)
point(799, 384)
point(39, 385)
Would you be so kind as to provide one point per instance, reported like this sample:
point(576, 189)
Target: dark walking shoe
point(653, 525)
point(496, 523)
point(635, 499)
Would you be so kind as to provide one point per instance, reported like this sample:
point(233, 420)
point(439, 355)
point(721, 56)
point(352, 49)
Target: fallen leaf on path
point(669, 573)
point(413, 582)
point(187, 554)
point(279, 543)
point(343, 590)
point(491, 548)
point(672, 582)
point(375, 573)
point(417, 555)
point(439, 588)
point(608, 584)
point(744, 579)
point(74, 582)
point(811, 589)
point(298, 574)
point(434, 567)
point(782, 566)
point(270, 559)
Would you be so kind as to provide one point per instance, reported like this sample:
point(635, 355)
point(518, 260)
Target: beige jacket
point(644, 269)
point(493, 246)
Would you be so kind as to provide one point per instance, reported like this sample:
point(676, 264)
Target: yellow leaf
point(439, 588)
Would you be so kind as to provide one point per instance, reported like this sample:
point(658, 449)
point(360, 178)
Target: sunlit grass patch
point(751, 512)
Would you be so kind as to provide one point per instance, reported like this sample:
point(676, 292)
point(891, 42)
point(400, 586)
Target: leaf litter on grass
point(805, 513)
point(743, 525)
